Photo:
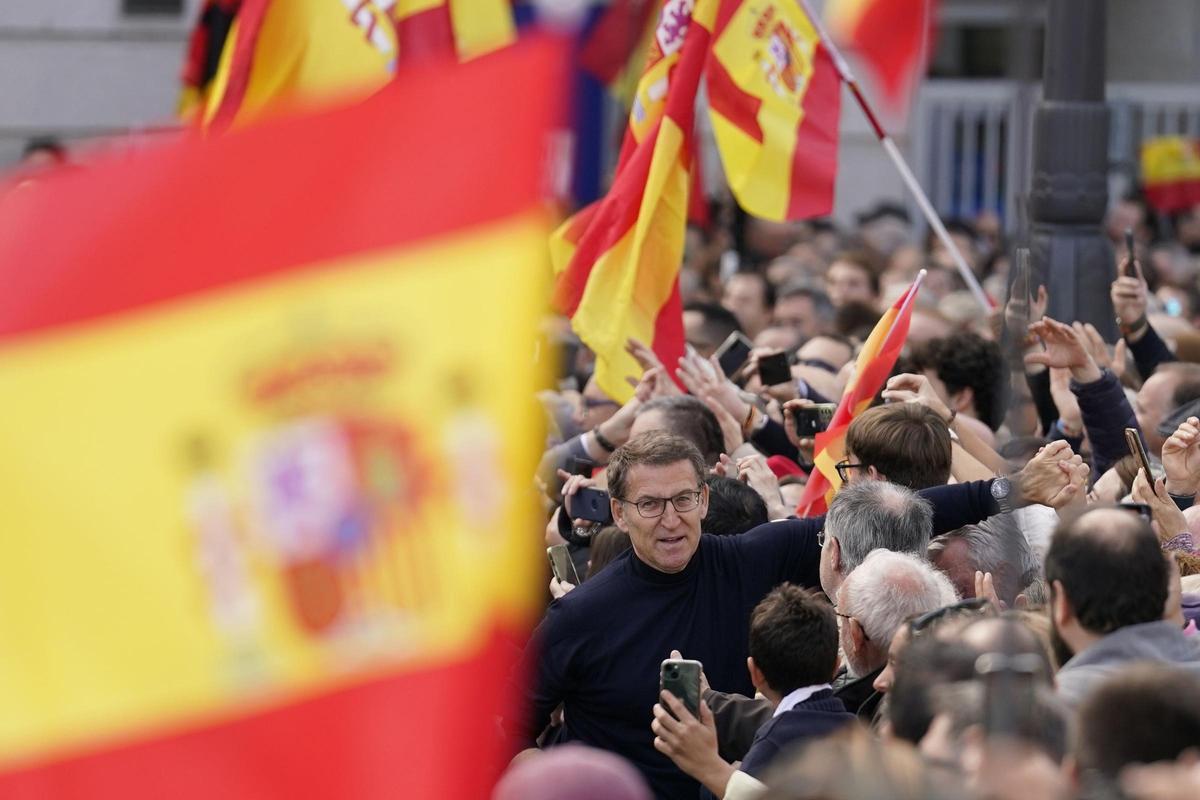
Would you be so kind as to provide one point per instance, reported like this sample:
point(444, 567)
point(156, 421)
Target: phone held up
point(1131, 254)
point(774, 369)
point(681, 677)
point(733, 353)
point(811, 420)
point(1133, 441)
point(590, 504)
point(561, 564)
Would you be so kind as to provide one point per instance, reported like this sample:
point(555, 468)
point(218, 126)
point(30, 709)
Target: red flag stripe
point(730, 101)
point(427, 34)
point(293, 219)
point(815, 157)
point(249, 22)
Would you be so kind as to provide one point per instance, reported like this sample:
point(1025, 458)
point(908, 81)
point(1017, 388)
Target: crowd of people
point(999, 602)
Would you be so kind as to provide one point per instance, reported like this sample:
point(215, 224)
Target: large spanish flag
point(892, 37)
point(775, 102)
point(871, 371)
point(284, 55)
point(1171, 172)
point(617, 260)
point(266, 413)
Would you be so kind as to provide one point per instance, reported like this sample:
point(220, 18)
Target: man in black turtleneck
point(599, 648)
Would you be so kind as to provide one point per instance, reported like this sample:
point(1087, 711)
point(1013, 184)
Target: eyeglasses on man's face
point(843, 468)
point(969, 606)
point(651, 507)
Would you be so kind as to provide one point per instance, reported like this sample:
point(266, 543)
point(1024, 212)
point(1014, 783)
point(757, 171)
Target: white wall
point(80, 68)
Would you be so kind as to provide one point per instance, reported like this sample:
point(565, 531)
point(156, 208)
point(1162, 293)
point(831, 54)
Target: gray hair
point(998, 546)
point(870, 515)
point(889, 588)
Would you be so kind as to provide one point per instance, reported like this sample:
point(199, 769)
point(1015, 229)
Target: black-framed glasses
point(968, 606)
point(651, 507)
point(866, 637)
point(843, 468)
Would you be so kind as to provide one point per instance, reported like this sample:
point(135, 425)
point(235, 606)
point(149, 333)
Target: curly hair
point(967, 360)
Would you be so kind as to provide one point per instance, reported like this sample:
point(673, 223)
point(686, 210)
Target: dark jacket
point(738, 718)
point(1150, 351)
point(817, 716)
point(1106, 414)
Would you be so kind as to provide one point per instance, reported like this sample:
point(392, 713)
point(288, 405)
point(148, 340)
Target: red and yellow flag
point(617, 261)
point(775, 102)
point(1171, 172)
point(871, 371)
point(265, 531)
point(892, 37)
point(281, 55)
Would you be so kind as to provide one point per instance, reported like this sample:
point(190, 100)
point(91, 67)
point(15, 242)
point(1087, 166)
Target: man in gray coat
point(1108, 581)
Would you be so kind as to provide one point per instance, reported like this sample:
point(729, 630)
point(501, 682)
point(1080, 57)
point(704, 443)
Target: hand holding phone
point(590, 504)
point(681, 677)
point(812, 419)
point(733, 353)
point(562, 565)
point(1130, 254)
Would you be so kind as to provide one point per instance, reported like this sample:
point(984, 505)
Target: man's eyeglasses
point(822, 537)
point(843, 468)
point(588, 403)
point(969, 606)
point(651, 507)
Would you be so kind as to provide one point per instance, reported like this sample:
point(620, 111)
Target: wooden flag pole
point(906, 174)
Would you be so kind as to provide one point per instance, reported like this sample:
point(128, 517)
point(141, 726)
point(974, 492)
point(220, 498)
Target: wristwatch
point(1002, 490)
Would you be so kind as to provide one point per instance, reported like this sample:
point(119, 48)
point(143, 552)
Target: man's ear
point(704, 500)
point(963, 400)
point(835, 554)
point(858, 637)
point(1060, 605)
point(618, 513)
point(875, 474)
point(756, 676)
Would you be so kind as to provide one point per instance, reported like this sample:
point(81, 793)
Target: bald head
point(1109, 565)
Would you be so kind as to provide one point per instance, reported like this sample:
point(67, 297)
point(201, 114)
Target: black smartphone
point(591, 504)
point(1133, 441)
point(561, 564)
point(811, 420)
point(1130, 269)
point(681, 677)
point(582, 466)
point(733, 353)
point(774, 369)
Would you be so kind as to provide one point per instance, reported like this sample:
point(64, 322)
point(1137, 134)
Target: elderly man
point(995, 546)
point(598, 650)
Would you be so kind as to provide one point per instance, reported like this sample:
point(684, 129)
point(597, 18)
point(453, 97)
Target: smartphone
point(733, 352)
point(582, 466)
point(681, 677)
point(561, 564)
point(1130, 269)
point(774, 369)
point(1009, 692)
point(811, 420)
point(592, 505)
point(1134, 441)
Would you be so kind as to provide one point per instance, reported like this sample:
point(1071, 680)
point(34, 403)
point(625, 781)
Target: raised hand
point(805, 445)
point(690, 742)
point(1181, 458)
point(754, 472)
point(1166, 518)
point(1064, 348)
point(703, 376)
point(1129, 295)
point(912, 388)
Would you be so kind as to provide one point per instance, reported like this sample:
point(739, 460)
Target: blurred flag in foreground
point(775, 102)
point(892, 37)
point(871, 371)
point(1171, 172)
point(282, 54)
point(617, 261)
point(266, 406)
